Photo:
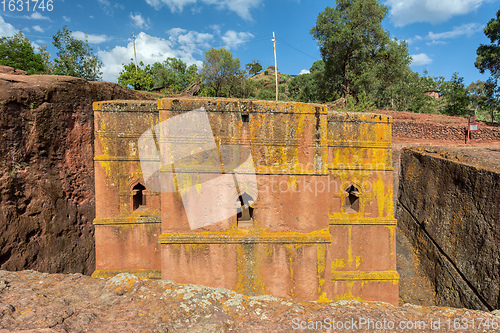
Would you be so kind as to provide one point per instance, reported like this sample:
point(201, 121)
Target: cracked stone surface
point(39, 302)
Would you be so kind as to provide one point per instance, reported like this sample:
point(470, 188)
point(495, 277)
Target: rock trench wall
point(46, 170)
point(449, 209)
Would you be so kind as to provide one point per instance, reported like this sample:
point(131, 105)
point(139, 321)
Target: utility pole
point(135, 56)
point(275, 65)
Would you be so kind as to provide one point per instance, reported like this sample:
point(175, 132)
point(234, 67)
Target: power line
point(296, 49)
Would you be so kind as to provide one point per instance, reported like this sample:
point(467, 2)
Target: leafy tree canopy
point(173, 74)
point(75, 57)
point(140, 79)
point(456, 95)
point(488, 56)
point(220, 72)
point(309, 87)
point(317, 66)
point(485, 97)
point(17, 52)
point(358, 53)
point(254, 67)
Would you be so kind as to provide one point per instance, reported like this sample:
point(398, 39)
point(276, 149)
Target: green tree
point(388, 66)
point(410, 92)
point(303, 88)
point(49, 65)
point(220, 72)
point(485, 98)
point(309, 87)
point(253, 67)
point(142, 79)
point(271, 68)
point(173, 74)
point(17, 52)
point(317, 66)
point(75, 57)
point(358, 53)
point(488, 56)
point(456, 96)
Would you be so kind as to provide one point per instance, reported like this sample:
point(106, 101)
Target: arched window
point(245, 212)
point(138, 199)
point(352, 200)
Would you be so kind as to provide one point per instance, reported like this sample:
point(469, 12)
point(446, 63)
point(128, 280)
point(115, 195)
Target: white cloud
point(420, 59)
point(36, 16)
point(174, 5)
point(151, 49)
point(66, 19)
point(463, 30)
point(432, 38)
point(106, 7)
point(233, 39)
point(38, 28)
point(189, 43)
point(189, 46)
point(403, 12)
point(304, 71)
point(92, 39)
point(6, 29)
point(240, 7)
point(139, 21)
point(411, 41)
point(35, 45)
point(216, 28)
point(109, 8)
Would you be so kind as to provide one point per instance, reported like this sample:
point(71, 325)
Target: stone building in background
point(319, 226)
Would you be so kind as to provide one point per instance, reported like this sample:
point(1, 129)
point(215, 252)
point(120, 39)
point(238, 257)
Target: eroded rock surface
point(46, 170)
point(449, 209)
point(76, 303)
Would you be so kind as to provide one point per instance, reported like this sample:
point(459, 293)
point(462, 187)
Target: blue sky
point(443, 35)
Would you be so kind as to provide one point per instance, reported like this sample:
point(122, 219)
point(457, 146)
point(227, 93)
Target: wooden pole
point(275, 65)
point(135, 56)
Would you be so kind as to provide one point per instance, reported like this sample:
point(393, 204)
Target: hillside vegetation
point(363, 67)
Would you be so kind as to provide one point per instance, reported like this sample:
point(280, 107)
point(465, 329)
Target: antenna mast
point(275, 65)
point(135, 56)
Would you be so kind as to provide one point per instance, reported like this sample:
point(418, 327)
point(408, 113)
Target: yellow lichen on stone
point(321, 265)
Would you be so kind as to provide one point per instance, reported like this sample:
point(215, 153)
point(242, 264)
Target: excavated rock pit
point(448, 215)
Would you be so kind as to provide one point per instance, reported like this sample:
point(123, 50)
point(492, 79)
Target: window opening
point(139, 198)
point(352, 200)
point(245, 118)
point(245, 212)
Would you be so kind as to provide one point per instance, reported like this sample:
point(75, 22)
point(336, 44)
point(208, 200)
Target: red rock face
point(46, 170)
